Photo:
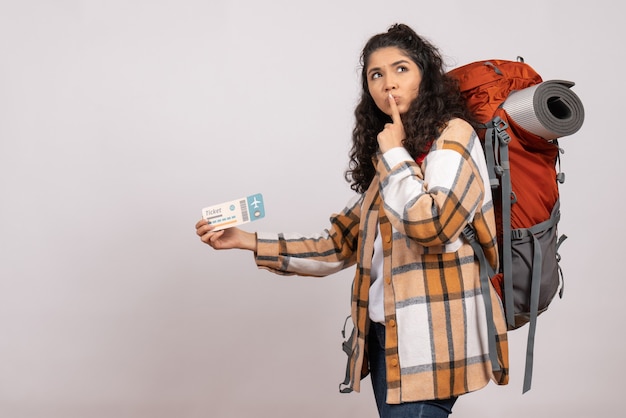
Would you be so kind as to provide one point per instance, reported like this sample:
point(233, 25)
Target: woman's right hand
point(226, 238)
point(393, 134)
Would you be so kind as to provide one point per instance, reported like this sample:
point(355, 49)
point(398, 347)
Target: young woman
point(417, 167)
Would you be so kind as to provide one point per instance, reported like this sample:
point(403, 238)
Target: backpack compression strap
point(535, 285)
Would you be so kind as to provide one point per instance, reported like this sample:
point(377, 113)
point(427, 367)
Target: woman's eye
point(402, 69)
point(376, 75)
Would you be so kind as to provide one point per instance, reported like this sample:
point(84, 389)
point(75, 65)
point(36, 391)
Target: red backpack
point(521, 117)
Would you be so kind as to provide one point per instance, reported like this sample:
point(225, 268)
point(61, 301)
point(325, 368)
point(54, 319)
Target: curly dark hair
point(438, 101)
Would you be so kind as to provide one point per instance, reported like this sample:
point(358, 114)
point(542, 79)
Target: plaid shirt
point(436, 330)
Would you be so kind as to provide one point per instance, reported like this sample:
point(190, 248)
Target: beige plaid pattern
point(436, 325)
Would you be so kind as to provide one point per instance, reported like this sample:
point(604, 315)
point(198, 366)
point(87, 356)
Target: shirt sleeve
point(313, 255)
point(434, 205)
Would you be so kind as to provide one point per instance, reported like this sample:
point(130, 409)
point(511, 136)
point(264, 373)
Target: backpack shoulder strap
point(497, 136)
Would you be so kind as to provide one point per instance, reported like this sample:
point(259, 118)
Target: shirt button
point(394, 362)
point(388, 280)
point(392, 323)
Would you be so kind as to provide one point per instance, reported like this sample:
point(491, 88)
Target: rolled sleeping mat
point(549, 109)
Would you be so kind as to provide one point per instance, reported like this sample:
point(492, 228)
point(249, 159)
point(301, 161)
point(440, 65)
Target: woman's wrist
point(249, 241)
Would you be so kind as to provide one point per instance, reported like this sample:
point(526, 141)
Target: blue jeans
point(436, 408)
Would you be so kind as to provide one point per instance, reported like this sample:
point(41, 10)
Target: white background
point(120, 120)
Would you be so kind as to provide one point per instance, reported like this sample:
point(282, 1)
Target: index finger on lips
point(395, 113)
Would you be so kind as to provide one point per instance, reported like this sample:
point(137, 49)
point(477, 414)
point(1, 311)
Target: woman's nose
point(390, 83)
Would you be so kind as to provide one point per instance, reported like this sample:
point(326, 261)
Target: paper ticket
point(235, 212)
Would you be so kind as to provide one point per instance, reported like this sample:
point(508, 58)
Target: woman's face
point(390, 70)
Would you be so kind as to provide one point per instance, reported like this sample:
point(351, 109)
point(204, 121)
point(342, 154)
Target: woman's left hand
point(393, 133)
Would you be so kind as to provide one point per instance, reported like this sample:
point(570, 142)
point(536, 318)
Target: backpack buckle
point(469, 233)
point(500, 127)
